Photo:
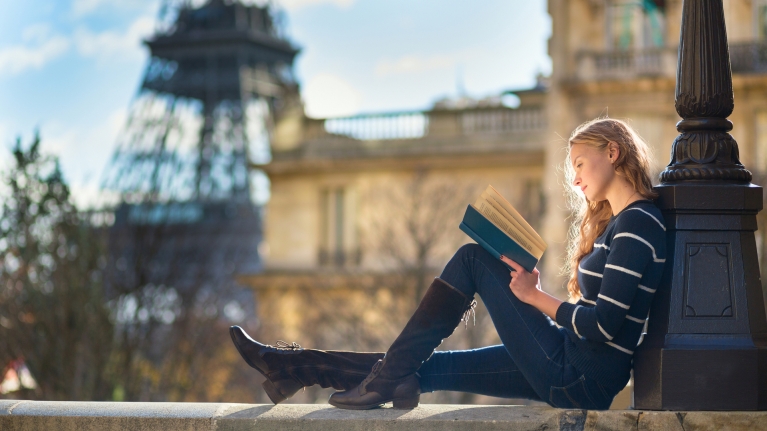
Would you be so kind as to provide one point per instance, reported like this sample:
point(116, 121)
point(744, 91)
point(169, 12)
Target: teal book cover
point(494, 240)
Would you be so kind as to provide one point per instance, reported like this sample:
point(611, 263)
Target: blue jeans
point(530, 364)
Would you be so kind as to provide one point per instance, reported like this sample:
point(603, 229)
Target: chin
point(595, 195)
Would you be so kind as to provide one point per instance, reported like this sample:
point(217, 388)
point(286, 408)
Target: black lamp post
point(706, 347)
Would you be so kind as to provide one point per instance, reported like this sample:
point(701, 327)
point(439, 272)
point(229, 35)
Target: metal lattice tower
point(217, 73)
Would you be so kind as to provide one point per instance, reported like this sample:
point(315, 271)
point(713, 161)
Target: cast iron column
point(706, 347)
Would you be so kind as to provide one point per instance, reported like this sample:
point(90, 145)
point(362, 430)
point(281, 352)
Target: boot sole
point(398, 403)
point(272, 392)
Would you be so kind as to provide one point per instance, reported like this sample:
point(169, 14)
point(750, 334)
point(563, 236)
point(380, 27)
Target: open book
point(495, 225)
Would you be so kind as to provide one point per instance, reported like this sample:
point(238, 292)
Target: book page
point(521, 220)
point(487, 210)
point(499, 207)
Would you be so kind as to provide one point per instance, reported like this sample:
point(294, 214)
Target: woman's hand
point(525, 285)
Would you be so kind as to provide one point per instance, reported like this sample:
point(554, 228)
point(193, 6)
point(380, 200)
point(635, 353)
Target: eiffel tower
point(187, 216)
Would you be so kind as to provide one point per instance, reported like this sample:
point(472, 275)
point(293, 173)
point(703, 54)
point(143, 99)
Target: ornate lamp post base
point(706, 347)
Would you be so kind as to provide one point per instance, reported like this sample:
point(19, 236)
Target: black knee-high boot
point(394, 377)
point(288, 368)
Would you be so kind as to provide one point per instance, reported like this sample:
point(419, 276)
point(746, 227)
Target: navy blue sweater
point(617, 281)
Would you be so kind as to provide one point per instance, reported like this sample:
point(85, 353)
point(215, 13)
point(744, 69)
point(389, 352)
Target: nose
point(577, 181)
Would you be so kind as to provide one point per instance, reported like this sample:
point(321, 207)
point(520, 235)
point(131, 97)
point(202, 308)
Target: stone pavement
point(107, 416)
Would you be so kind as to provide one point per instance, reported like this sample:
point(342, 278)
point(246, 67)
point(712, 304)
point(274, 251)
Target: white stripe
point(574, 313)
point(588, 301)
point(608, 336)
point(647, 289)
point(634, 319)
point(622, 269)
point(587, 272)
point(604, 246)
point(608, 299)
point(639, 238)
point(652, 216)
point(624, 350)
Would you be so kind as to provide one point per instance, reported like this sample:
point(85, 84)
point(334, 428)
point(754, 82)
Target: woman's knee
point(470, 249)
point(471, 253)
point(467, 266)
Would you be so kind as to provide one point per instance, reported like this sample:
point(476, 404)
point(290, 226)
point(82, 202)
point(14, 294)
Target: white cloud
point(327, 95)
point(410, 64)
point(84, 7)
point(36, 33)
point(40, 46)
point(114, 45)
point(81, 8)
point(294, 5)
point(40, 50)
point(87, 195)
point(5, 146)
point(84, 152)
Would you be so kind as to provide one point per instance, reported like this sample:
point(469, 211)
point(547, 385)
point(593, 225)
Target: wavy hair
point(591, 218)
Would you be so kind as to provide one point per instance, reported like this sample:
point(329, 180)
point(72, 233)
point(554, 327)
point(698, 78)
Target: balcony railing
point(398, 125)
point(422, 124)
point(749, 57)
point(503, 120)
point(746, 57)
point(653, 62)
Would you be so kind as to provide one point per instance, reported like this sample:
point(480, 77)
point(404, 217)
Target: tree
point(414, 227)
point(52, 311)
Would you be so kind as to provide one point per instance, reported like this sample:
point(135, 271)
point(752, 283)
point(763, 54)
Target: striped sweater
point(617, 281)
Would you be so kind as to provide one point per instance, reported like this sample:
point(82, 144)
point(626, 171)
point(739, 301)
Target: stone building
point(332, 268)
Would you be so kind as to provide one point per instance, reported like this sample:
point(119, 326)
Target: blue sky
point(70, 68)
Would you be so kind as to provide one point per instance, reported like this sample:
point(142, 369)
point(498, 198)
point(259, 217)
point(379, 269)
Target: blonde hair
point(591, 218)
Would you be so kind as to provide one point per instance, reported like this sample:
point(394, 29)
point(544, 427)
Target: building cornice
point(637, 85)
point(445, 160)
point(319, 278)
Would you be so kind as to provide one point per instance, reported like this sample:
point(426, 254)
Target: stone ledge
point(106, 416)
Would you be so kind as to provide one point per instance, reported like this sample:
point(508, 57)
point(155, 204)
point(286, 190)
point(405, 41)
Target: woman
point(617, 253)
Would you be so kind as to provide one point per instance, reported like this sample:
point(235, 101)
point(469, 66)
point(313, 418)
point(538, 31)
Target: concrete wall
point(87, 416)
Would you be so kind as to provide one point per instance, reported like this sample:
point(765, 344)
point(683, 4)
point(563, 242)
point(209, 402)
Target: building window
point(760, 20)
point(634, 24)
point(338, 242)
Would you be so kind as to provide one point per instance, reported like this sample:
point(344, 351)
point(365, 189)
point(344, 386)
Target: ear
point(613, 151)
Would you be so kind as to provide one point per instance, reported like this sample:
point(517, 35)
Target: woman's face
point(594, 171)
